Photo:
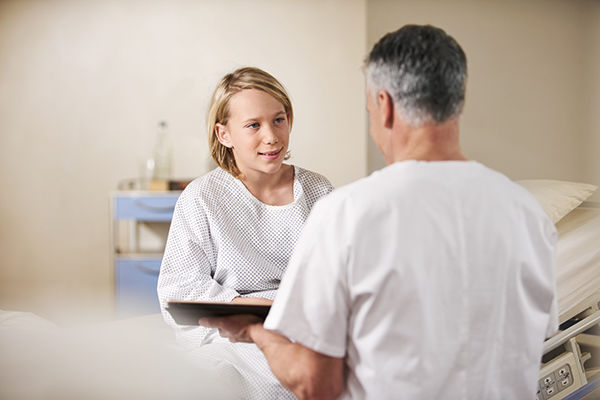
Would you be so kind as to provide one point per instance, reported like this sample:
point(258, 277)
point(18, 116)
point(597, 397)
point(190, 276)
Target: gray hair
point(423, 69)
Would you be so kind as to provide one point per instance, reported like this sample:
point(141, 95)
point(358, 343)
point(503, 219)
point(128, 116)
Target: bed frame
point(571, 363)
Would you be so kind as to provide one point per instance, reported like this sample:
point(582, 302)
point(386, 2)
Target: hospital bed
point(571, 363)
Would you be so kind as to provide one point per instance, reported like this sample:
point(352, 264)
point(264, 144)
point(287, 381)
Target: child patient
point(234, 229)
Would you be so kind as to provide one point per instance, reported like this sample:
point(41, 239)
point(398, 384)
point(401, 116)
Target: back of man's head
point(423, 69)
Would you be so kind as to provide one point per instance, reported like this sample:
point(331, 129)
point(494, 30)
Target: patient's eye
point(253, 125)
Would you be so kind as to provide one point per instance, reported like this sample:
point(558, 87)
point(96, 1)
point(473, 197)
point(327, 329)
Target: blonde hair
point(218, 112)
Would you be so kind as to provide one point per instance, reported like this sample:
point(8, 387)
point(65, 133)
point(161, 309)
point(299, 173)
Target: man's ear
point(385, 103)
point(223, 135)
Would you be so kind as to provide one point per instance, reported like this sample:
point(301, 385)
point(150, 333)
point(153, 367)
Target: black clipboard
point(188, 312)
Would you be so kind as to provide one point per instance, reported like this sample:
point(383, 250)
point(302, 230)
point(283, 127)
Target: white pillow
point(558, 198)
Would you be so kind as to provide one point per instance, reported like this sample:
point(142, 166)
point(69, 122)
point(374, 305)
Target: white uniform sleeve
point(185, 273)
point(312, 303)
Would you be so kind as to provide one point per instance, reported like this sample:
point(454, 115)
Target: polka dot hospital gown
point(224, 243)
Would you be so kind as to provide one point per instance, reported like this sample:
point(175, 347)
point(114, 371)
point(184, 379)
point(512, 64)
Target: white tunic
point(433, 280)
point(223, 243)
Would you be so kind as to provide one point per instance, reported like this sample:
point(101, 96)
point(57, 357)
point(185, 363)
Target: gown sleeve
point(186, 269)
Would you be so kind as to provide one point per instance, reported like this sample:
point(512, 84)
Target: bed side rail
point(563, 336)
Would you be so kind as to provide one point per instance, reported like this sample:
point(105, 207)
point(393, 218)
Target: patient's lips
point(271, 155)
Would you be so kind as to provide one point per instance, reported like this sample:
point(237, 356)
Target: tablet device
point(188, 312)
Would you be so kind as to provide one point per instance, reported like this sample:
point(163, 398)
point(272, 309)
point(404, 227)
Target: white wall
point(83, 84)
point(528, 105)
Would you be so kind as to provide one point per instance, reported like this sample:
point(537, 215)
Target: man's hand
point(236, 328)
point(308, 374)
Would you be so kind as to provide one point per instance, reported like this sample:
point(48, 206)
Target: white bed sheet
point(135, 358)
point(578, 258)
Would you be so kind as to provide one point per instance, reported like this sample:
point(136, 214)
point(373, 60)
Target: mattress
point(578, 259)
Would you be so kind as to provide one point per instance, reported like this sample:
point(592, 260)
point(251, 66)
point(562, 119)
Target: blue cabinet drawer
point(135, 284)
point(145, 208)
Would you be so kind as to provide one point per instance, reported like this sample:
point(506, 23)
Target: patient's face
point(257, 131)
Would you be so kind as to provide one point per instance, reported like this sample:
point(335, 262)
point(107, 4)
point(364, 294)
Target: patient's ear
point(385, 103)
point(223, 135)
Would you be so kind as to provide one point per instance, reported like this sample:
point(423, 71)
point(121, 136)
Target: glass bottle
point(163, 153)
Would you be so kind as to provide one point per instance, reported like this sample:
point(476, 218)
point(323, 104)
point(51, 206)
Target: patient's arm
point(307, 373)
point(259, 301)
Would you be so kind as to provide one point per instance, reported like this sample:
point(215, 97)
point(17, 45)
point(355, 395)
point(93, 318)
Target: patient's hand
point(233, 327)
point(257, 301)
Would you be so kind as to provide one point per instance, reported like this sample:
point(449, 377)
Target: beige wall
point(592, 138)
point(83, 84)
point(529, 107)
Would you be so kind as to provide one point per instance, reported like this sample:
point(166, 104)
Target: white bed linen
point(129, 359)
point(578, 258)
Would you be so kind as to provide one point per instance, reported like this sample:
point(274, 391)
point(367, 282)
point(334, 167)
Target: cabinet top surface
point(144, 193)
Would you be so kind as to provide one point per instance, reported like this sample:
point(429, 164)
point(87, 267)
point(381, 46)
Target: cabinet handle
point(152, 208)
point(147, 270)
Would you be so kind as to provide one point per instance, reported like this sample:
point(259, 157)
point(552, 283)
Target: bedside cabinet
point(140, 223)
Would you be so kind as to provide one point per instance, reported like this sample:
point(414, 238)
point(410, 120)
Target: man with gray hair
point(431, 278)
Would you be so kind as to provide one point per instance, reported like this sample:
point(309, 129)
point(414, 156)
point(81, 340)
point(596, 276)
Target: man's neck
point(428, 142)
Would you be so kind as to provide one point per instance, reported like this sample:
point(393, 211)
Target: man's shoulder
point(416, 184)
point(393, 177)
point(352, 196)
